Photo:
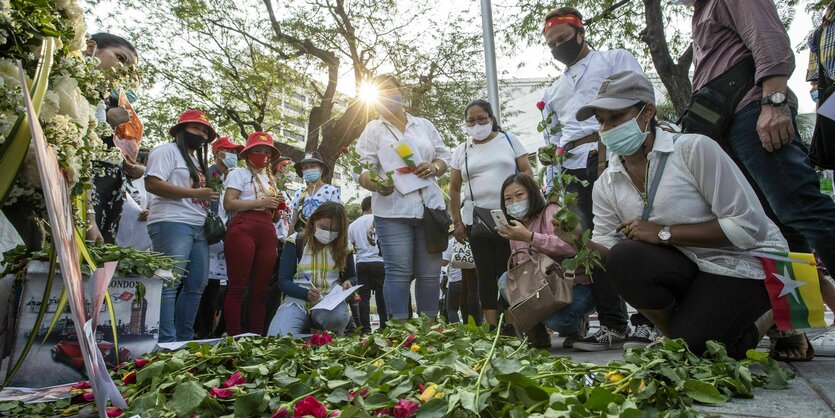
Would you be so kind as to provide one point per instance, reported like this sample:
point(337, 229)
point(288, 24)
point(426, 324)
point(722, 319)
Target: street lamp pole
point(490, 58)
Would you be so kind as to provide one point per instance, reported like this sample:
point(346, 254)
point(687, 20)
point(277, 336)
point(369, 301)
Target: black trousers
point(706, 306)
point(490, 256)
point(371, 276)
point(463, 296)
point(211, 305)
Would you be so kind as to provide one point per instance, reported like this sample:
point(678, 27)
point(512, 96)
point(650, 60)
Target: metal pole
point(490, 58)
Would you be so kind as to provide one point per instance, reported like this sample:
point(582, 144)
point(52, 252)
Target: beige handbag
point(536, 289)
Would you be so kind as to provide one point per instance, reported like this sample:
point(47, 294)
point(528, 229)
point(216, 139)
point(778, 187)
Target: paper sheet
point(335, 297)
point(827, 109)
point(132, 232)
point(405, 183)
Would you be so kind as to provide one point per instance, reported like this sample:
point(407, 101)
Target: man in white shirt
point(585, 70)
point(371, 271)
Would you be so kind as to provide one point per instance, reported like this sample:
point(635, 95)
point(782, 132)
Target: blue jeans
point(294, 320)
point(568, 320)
point(786, 182)
point(186, 243)
point(403, 244)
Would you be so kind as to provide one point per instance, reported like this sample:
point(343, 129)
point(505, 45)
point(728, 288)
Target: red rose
point(88, 397)
point(113, 412)
point(333, 414)
point(344, 150)
point(129, 378)
point(405, 408)
point(82, 385)
point(280, 412)
point(310, 406)
point(560, 151)
point(141, 362)
point(540, 105)
point(321, 339)
point(221, 393)
point(236, 379)
point(421, 388)
point(409, 340)
point(363, 393)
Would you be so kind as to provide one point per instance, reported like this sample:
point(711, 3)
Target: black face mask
point(568, 51)
point(193, 141)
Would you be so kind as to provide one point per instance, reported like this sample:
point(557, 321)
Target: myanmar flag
point(791, 280)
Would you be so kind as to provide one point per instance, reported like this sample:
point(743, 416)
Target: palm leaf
point(82, 248)
point(39, 319)
point(62, 304)
point(113, 325)
point(14, 149)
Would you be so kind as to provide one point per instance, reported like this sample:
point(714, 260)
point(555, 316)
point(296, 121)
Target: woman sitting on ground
point(529, 217)
point(313, 263)
point(682, 264)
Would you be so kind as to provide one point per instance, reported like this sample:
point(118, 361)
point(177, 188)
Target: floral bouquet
point(352, 159)
point(215, 182)
point(405, 152)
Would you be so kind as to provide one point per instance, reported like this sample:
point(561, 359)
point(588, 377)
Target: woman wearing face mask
point(312, 169)
point(398, 217)
point(179, 202)
point(529, 217)
point(250, 242)
point(673, 216)
point(488, 155)
point(313, 263)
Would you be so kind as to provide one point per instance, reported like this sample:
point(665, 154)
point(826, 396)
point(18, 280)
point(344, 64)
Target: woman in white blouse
point(398, 216)
point(678, 256)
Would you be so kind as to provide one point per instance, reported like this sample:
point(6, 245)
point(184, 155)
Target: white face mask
point(479, 132)
point(325, 236)
point(518, 209)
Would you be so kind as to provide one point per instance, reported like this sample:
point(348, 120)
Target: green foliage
point(465, 370)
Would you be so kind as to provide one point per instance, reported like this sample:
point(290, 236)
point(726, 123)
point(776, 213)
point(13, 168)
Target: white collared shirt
point(700, 183)
point(430, 146)
point(575, 88)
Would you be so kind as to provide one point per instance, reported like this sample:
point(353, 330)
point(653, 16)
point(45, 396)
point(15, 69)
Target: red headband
point(569, 19)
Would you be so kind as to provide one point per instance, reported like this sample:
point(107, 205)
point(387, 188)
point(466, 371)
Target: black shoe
point(603, 339)
point(539, 337)
point(643, 336)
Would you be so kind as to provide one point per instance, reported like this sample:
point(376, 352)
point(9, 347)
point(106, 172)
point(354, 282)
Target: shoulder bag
point(483, 224)
point(462, 256)
point(214, 228)
point(536, 288)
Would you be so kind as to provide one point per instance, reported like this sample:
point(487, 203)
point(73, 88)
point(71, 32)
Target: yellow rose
point(428, 393)
point(614, 376)
point(414, 348)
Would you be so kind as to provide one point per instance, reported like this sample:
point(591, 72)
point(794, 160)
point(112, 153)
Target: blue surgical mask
point(312, 175)
point(518, 210)
point(230, 160)
point(392, 103)
point(625, 139)
point(815, 96)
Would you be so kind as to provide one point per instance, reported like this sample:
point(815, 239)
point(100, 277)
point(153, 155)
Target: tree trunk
point(342, 132)
point(674, 75)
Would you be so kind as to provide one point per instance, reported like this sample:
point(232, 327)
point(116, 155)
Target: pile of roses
point(418, 369)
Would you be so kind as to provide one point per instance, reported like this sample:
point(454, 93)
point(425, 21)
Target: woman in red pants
point(250, 242)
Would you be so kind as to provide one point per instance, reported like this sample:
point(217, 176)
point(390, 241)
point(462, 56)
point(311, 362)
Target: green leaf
point(338, 396)
point(355, 375)
point(703, 392)
point(436, 408)
point(600, 398)
point(505, 366)
point(150, 371)
point(187, 397)
point(758, 356)
point(249, 404)
point(144, 402)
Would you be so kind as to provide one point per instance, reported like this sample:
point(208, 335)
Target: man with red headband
point(585, 70)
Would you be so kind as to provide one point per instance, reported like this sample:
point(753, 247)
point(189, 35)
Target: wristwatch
point(776, 99)
point(664, 235)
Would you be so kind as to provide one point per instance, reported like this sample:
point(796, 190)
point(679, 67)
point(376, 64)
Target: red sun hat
point(225, 142)
point(261, 138)
point(194, 116)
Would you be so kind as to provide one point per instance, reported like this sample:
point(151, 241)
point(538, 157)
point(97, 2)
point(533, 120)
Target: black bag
point(822, 148)
point(214, 228)
point(713, 106)
point(483, 224)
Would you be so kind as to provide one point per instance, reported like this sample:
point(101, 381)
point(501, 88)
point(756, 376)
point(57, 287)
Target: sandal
point(780, 346)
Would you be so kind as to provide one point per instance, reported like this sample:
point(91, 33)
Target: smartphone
point(498, 217)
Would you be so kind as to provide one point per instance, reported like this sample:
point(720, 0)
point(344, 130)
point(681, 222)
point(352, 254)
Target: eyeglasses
point(482, 120)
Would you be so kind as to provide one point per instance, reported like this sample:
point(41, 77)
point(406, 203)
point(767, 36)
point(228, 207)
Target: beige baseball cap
point(619, 91)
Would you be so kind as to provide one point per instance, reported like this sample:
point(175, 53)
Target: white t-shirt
point(167, 164)
point(241, 179)
point(358, 236)
point(453, 274)
point(489, 165)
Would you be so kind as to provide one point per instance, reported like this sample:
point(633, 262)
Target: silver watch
point(664, 235)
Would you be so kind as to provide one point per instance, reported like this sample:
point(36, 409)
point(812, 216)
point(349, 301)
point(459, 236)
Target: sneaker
point(603, 339)
point(643, 336)
point(824, 344)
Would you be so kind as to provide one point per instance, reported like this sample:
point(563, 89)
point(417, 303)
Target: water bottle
point(826, 183)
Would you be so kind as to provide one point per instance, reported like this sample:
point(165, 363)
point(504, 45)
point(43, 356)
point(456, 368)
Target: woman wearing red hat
point(176, 181)
point(251, 242)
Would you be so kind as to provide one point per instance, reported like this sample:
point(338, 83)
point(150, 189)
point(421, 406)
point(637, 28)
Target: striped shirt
point(825, 49)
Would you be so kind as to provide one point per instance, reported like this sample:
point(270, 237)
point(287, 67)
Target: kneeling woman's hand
point(313, 295)
point(346, 284)
point(515, 231)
